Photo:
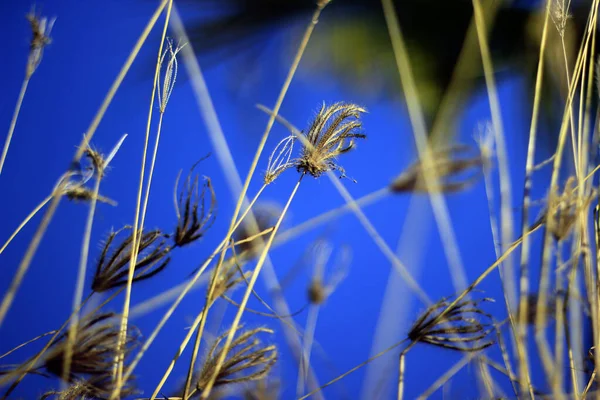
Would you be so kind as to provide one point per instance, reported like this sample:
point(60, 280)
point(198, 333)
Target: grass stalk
point(13, 121)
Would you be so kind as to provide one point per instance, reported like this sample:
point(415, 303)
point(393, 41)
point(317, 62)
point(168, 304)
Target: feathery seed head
point(248, 360)
point(193, 219)
point(459, 329)
point(454, 168)
point(331, 134)
point(112, 269)
point(164, 91)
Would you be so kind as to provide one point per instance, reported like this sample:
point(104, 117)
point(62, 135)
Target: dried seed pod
point(454, 168)
point(458, 329)
point(316, 292)
point(112, 269)
point(94, 354)
point(248, 360)
point(331, 134)
point(193, 220)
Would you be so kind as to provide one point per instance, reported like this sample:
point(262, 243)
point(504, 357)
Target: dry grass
point(96, 358)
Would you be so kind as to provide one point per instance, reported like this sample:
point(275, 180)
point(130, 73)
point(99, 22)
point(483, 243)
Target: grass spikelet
point(93, 355)
point(459, 329)
point(41, 27)
point(279, 160)
point(453, 166)
point(193, 219)
point(330, 135)
point(247, 360)
point(112, 266)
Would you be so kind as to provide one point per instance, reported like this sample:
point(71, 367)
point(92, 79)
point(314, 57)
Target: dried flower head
point(454, 168)
point(564, 209)
point(94, 354)
point(330, 135)
point(164, 92)
point(195, 220)
point(248, 360)
point(41, 27)
point(458, 329)
point(113, 266)
point(560, 15)
point(279, 160)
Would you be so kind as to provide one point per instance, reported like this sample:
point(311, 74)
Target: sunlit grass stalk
point(41, 230)
point(541, 308)
point(83, 261)
point(524, 379)
point(244, 301)
point(137, 226)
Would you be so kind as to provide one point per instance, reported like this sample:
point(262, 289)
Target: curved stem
point(13, 121)
point(25, 221)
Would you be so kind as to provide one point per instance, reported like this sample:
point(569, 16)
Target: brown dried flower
point(195, 220)
point(459, 328)
point(330, 135)
point(94, 353)
point(246, 361)
point(112, 270)
point(448, 165)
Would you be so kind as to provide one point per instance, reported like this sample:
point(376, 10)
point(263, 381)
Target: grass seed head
point(95, 350)
point(331, 134)
point(248, 360)
point(454, 167)
point(462, 328)
point(193, 218)
point(113, 266)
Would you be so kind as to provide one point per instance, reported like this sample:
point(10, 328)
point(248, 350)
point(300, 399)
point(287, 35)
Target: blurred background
point(245, 49)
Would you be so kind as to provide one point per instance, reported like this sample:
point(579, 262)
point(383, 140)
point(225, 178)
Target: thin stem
point(401, 368)
point(524, 264)
point(83, 260)
point(362, 364)
point(13, 121)
point(138, 230)
point(309, 335)
point(25, 221)
point(244, 301)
